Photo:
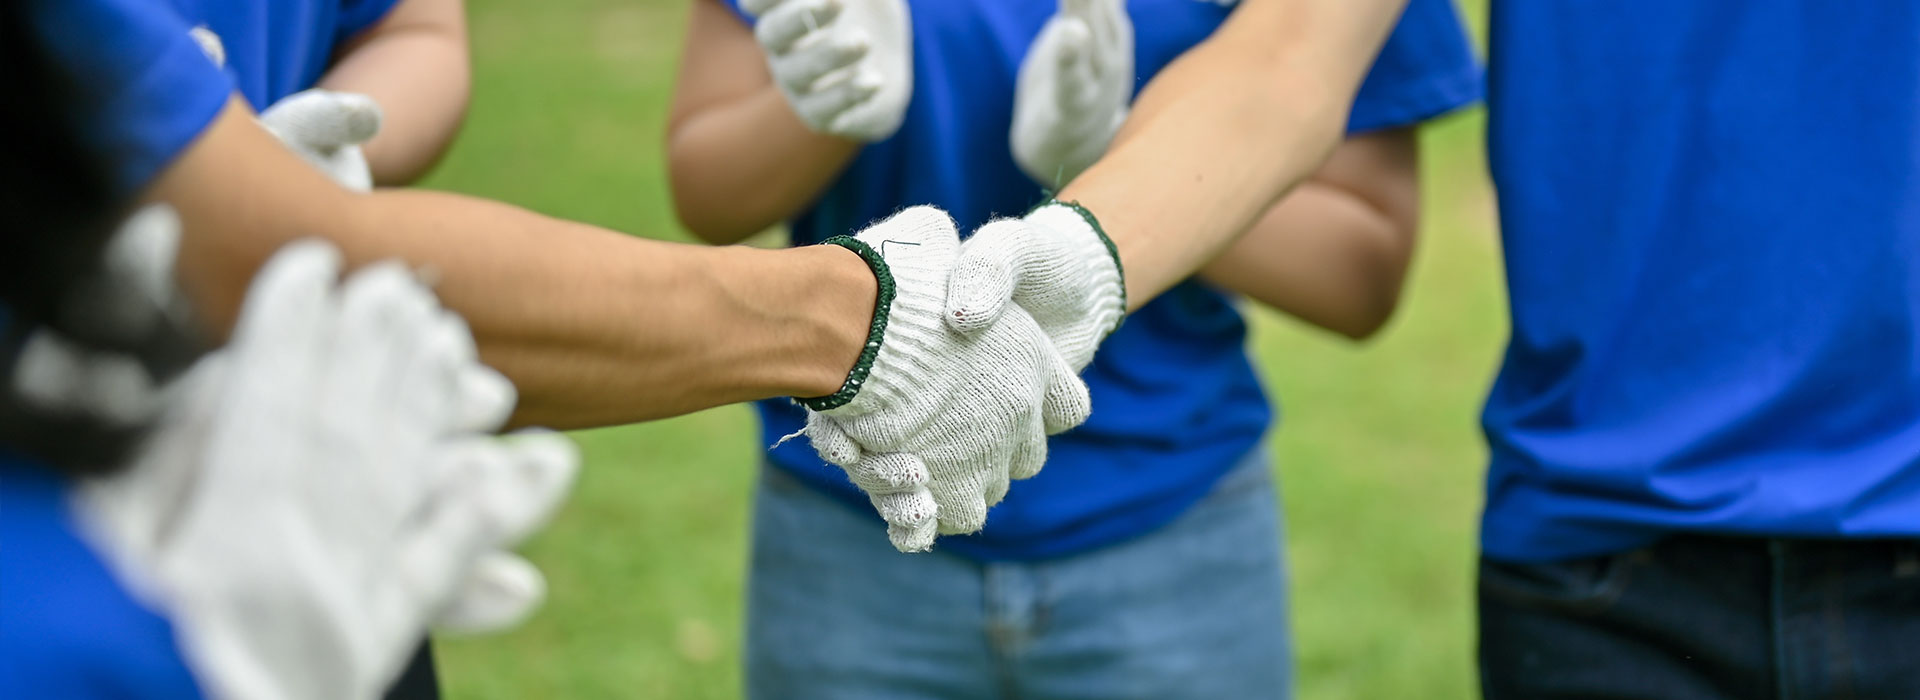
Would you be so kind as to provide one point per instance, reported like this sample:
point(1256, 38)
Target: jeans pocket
point(1586, 586)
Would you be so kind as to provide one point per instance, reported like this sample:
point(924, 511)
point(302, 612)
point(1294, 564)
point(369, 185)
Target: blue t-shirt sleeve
point(357, 16)
point(1427, 68)
point(144, 88)
point(734, 7)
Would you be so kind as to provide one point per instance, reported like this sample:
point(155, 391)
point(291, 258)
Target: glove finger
point(288, 313)
point(830, 100)
point(891, 472)
point(1080, 9)
point(501, 592)
point(801, 72)
point(782, 28)
point(961, 498)
point(487, 399)
point(385, 316)
point(991, 265)
point(323, 120)
point(911, 508)
point(1073, 45)
point(832, 442)
point(134, 290)
point(1028, 457)
point(58, 375)
point(530, 483)
point(433, 382)
point(913, 538)
point(437, 549)
point(1066, 403)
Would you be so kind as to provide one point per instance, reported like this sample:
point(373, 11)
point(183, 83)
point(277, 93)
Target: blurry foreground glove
point(1073, 91)
point(323, 488)
point(327, 128)
point(932, 423)
point(845, 66)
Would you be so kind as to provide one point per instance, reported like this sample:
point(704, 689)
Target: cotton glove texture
point(1056, 264)
point(845, 66)
point(944, 419)
point(327, 128)
point(1074, 88)
point(324, 487)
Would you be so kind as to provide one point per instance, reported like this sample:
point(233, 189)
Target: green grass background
point(1378, 451)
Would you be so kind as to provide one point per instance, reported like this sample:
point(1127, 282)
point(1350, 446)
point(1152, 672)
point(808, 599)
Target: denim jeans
point(1195, 609)
point(1699, 618)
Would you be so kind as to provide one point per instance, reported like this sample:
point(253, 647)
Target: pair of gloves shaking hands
point(979, 358)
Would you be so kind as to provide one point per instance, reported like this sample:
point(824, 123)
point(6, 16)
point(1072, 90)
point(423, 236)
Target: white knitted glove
point(133, 292)
point(942, 420)
point(323, 487)
point(1074, 88)
point(846, 66)
point(1056, 264)
point(327, 128)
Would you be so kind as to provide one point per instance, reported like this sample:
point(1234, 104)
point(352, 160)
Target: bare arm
point(739, 159)
point(1227, 130)
point(1335, 251)
point(594, 327)
point(414, 64)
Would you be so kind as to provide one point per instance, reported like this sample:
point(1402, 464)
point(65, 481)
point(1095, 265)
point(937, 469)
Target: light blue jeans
point(1195, 609)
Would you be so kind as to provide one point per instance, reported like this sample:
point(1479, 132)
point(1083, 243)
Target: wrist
point(1088, 243)
point(876, 327)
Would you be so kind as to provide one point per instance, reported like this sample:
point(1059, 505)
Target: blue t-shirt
point(67, 628)
point(1176, 401)
point(149, 90)
point(1712, 222)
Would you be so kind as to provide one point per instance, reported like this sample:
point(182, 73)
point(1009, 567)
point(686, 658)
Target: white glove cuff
point(1088, 244)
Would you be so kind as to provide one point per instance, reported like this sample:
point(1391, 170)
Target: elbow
point(1386, 270)
point(706, 200)
point(708, 219)
point(1369, 317)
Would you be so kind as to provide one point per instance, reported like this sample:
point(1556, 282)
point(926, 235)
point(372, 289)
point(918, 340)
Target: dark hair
point(58, 209)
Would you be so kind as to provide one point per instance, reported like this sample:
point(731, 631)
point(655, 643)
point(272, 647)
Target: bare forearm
point(594, 327)
point(1227, 130)
point(415, 65)
point(1323, 256)
point(741, 167)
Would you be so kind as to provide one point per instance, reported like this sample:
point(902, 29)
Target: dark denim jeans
point(1707, 618)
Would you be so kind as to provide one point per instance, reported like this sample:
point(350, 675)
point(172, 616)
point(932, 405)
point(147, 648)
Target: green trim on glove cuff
point(1112, 251)
point(882, 306)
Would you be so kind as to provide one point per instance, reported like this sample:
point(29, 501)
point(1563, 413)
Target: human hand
point(324, 487)
point(845, 66)
point(933, 423)
point(327, 128)
point(1074, 87)
point(1055, 264)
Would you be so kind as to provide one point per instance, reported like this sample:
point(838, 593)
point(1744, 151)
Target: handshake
point(972, 360)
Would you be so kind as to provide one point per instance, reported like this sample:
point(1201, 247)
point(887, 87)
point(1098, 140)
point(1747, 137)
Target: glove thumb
point(323, 120)
point(991, 266)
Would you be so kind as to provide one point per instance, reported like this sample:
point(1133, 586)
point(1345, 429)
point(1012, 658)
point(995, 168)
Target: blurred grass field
point(1378, 448)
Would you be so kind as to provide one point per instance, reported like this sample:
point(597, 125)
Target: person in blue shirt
point(1144, 559)
point(1705, 436)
